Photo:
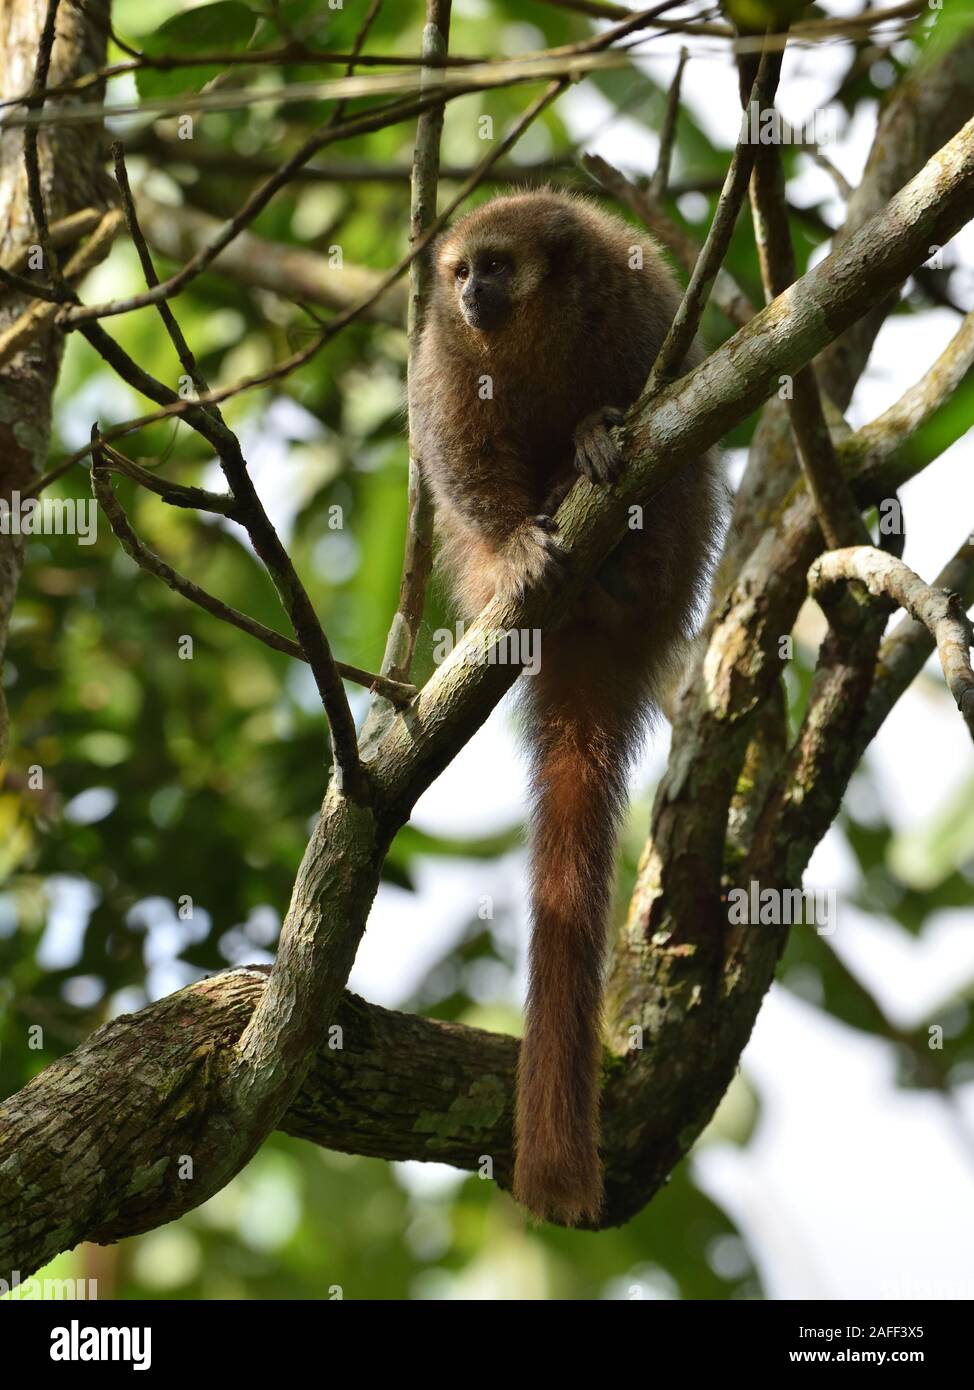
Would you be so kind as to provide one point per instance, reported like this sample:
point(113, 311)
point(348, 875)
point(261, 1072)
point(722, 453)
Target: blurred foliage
point(177, 794)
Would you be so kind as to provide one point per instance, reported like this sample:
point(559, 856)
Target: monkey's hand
point(597, 455)
point(532, 558)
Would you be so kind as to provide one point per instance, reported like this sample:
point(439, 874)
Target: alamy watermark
point(77, 1343)
point(783, 907)
point(17, 1289)
point(492, 647)
point(765, 125)
point(49, 516)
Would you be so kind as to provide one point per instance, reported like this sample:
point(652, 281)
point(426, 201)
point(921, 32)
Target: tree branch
point(397, 659)
point(40, 316)
point(106, 460)
point(925, 110)
point(727, 294)
point(289, 271)
point(942, 613)
point(838, 514)
point(660, 179)
point(707, 267)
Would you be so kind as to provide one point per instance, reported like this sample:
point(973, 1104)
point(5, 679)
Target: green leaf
point(226, 27)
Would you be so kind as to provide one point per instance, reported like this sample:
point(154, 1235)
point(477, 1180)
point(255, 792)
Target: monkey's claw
point(597, 455)
point(533, 559)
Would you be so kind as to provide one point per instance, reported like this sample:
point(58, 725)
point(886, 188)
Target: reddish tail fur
point(583, 721)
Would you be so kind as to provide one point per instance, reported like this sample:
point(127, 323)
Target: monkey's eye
point(496, 266)
point(462, 271)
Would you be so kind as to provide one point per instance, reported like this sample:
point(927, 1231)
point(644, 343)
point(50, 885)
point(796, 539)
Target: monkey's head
point(495, 266)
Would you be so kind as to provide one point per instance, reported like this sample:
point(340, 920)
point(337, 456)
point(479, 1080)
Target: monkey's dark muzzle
point(483, 306)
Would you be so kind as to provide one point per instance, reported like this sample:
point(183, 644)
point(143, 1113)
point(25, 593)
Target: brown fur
point(582, 335)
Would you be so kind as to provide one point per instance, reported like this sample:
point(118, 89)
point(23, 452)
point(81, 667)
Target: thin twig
point(326, 135)
point(254, 205)
point(176, 406)
point(186, 359)
point(417, 561)
point(291, 272)
point(838, 515)
point(266, 542)
point(64, 232)
point(727, 294)
point(355, 56)
point(667, 139)
point(176, 494)
point(297, 53)
point(103, 463)
point(684, 327)
point(546, 64)
point(35, 102)
point(199, 155)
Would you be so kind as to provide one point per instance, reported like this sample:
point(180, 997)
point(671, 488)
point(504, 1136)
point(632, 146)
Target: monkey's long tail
point(581, 728)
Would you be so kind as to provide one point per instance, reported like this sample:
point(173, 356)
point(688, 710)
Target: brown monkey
point(558, 309)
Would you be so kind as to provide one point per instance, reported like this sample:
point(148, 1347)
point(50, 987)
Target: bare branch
point(891, 434)
point(659, 181)
point(176, 494)
point(904, 652)
point(727, 294)
point(176, 406)
point(196, 154)
point(289, 271)
point(175, 333)
point(106, 461)
point(925, 110)
point(266, 542)
point(249, 210)
point(64, 232)
point(417, 561)
point(838, 515)
point(40, 316)
point(942, 613)
point(35, 102)
point(683, 329)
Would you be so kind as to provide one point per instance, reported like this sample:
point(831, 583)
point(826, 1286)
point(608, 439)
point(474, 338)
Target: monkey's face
point(489, 277)
point(483, 284)
point(503, 266)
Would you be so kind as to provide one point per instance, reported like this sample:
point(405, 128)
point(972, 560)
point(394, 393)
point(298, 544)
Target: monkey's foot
point(597, 455)
point(533, 558)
